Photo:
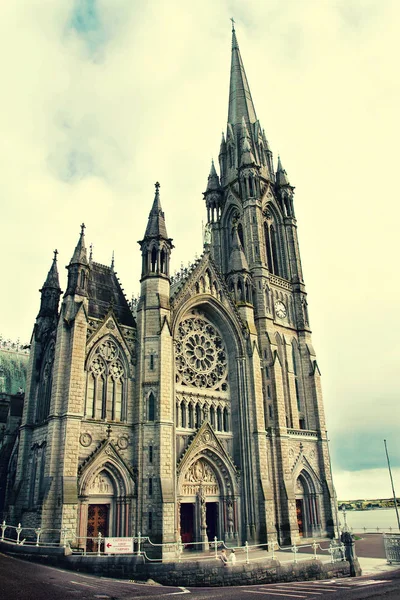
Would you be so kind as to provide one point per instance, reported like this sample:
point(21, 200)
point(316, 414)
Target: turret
point(78, 269)
point(213, 196)
point(284, 190)
point(50, 292)
point(156, 246)
point(222, 157)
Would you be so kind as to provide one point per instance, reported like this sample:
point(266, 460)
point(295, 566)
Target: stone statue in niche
point(229, 516)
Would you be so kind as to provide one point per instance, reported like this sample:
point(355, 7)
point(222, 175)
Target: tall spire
point(240, 100)
point(156, 224)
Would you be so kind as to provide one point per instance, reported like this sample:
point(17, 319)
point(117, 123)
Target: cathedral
point(196, 411)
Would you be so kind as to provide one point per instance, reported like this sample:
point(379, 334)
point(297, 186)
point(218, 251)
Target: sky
point(102, 98)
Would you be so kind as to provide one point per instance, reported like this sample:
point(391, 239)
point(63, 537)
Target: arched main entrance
point(307, 506)
point(207, 492)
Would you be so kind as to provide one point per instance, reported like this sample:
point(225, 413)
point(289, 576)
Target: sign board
point(118, 545)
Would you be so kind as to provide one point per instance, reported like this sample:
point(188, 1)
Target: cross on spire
point(55, 254)
point(83, 227)
point(233, 23)
point(157, 186)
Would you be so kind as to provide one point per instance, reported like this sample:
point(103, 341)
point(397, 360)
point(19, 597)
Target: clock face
point(280, 309)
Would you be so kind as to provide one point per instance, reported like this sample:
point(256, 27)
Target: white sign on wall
point(118, 545)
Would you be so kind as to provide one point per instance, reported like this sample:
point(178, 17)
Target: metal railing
point(143, 546)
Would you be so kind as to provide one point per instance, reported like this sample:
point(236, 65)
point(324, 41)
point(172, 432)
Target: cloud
point(369, 484)
point(363, 448)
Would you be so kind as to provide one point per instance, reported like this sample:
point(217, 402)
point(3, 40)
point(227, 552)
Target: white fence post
point(38, 531)
point(216, 548)
point(273, 550)
point(3, 528)
point(139, 553)
point(247, 552)
point(315, 546)
point(294, 550)
point(99, 544)
point(19, 529)
point(332, 552)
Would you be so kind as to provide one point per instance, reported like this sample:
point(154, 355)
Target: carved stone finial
point(108, 431)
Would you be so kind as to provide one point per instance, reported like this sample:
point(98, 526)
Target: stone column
point(203, 521)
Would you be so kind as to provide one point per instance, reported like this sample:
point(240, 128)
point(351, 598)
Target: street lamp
point(345, 528)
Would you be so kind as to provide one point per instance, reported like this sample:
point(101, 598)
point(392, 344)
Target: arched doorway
point(307, 506)
point(207, 493)
point(106, 498)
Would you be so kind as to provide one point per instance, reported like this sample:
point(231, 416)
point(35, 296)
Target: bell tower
point(252, 237)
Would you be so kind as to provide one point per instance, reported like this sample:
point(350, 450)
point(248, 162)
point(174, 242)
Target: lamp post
point(345, 528)
point(391, 479)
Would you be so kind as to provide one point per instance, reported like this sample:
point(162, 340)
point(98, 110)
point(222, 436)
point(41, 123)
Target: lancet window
point(274, 257)
point(192, 414)
point(46, 380)
point(106, 383)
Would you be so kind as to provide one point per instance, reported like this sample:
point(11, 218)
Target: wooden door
point(97, 523)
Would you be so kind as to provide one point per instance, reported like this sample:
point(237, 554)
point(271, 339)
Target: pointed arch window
point(240, 234)
point(231, 158)
point(151, 407)
point(106, 383)
point(163, 262)
point(272, 246)
point(44, 390)
point(251, 186)
point(297, 383)
point(212, 416)
point(154, 260)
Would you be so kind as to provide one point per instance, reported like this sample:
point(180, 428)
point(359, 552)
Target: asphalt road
point(20, 580)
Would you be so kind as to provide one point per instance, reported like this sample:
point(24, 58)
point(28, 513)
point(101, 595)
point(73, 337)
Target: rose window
point(200, 355)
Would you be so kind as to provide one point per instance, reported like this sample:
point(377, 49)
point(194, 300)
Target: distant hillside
point(363, 504)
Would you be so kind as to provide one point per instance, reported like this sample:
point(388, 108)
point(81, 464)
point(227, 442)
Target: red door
point(97, 523)
point(300, 519)
point(187, 521)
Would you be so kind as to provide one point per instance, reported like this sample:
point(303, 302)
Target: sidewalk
point(369, 550)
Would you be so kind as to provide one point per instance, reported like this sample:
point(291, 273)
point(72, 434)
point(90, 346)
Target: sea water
point(381, 519)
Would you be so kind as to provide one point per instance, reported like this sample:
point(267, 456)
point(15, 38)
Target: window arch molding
point(107, 373)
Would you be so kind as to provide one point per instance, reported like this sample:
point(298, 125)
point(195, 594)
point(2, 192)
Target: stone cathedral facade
point(198, 411)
